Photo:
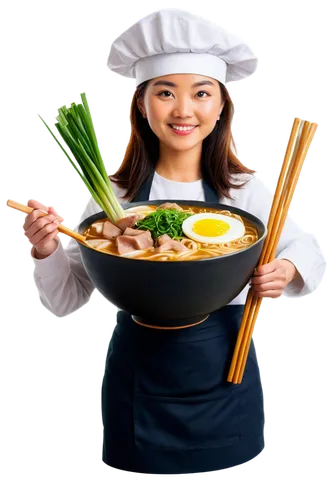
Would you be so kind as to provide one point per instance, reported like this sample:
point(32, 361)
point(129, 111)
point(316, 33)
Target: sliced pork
point(127, 243)
point(163, 239)
point(144, 240)
point(170, 206)
point(133, 232)
point(166, 243)
point(129, 221)
point(172, 245)
point(98, 226)
point(110, 230)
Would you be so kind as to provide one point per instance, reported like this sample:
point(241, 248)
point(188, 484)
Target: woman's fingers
point(45, 231)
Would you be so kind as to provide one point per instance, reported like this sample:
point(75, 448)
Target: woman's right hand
point(41, 230)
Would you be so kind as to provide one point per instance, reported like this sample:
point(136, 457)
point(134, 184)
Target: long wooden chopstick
point(295, 154)
point(275, 216)
point(249, 311)
point(61, 229)
point(305, 141)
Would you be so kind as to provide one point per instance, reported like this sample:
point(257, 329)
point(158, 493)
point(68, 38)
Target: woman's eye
point(203, 92)
point(164, 92)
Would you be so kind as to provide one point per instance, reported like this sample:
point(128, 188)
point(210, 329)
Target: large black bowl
point(171, 294)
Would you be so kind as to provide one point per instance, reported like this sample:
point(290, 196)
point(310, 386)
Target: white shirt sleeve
point(295, 245)
point(61, 279)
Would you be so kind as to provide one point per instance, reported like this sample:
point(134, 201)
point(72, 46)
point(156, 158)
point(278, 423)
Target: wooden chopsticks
point(62, 229)
point(299, 142)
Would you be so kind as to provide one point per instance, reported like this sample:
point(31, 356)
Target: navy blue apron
point(166, 405)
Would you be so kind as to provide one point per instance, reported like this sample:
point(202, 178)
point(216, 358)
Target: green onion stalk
point(77, 130)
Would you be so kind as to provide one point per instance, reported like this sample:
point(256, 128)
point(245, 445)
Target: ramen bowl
point(171, 294)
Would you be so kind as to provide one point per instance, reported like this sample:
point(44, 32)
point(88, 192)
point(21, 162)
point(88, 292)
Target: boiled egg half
point(213, 228)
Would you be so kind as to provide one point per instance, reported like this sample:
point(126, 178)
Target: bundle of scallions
point(77, 130)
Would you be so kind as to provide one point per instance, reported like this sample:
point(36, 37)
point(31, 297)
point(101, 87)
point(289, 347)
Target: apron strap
point(211, 195)
point(143, 194)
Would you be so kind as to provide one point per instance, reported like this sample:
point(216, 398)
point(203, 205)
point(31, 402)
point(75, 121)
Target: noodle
point(171, 255)
point(190, 243)
point(135, 253)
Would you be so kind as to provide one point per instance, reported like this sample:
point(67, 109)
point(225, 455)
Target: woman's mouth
point(183, 130)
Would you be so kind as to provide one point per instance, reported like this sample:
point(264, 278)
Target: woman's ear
point(141, 107)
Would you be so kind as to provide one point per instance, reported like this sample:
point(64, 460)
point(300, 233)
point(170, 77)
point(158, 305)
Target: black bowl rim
point(239, 211)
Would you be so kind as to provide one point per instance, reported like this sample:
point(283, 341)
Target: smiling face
point(182, 99)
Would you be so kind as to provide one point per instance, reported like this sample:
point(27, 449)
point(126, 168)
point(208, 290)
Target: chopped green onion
point(77, 130)
point(164, 221)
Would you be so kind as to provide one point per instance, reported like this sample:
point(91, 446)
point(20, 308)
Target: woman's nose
point(183, 108)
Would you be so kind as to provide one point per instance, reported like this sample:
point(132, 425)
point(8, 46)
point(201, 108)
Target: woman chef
point(166, 405)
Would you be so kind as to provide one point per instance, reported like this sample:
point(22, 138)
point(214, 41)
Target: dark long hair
point(218, 162)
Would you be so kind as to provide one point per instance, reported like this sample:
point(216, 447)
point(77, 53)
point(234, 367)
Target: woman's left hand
point(269, 280)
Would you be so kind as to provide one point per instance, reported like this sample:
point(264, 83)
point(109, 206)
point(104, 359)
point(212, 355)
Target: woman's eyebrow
point(171, 84)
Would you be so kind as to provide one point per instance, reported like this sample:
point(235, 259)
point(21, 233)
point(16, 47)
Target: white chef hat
point(170, 41)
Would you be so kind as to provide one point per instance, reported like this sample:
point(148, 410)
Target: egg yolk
point(210, 227)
